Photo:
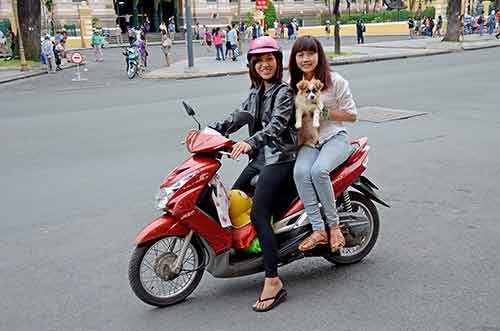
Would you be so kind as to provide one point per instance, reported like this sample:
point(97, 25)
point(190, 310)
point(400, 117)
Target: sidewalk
point(10, 74)
point(209, 67)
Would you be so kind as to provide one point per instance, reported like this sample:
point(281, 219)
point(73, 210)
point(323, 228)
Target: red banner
point(261, 4)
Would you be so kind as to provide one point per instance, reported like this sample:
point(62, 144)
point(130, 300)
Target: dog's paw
point(316, 124)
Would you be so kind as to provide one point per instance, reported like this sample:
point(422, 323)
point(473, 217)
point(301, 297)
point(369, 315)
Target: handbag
point(236, 52)
point(167, 43)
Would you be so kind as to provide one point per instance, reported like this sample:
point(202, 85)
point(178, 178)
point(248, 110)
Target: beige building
point(204, 11)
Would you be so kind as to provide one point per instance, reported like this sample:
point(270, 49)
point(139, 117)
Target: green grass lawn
point(14, 63)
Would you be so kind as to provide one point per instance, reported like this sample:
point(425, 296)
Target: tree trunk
point(29, 12)
point(375, 5)
point(336, 30)
point(453, 30)
point(497, 5)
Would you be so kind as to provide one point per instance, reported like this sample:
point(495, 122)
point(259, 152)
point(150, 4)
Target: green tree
point(270, 14)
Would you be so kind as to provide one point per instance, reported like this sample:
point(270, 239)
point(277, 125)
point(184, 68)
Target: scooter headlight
point(167, 192)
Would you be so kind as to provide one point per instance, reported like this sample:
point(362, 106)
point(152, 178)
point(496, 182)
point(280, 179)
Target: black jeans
point(274, 192)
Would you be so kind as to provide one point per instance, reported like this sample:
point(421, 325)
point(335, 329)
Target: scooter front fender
point(164, 225)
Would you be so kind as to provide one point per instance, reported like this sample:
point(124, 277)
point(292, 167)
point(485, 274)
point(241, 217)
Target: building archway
point(156, 10)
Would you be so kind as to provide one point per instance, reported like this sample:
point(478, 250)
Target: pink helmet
point(264, 44)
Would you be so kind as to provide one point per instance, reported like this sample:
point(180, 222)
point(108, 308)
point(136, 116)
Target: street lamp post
point(22, 57)
point(189, 34)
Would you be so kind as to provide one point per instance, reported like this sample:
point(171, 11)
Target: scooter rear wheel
point(151, 276)
point(350, 255)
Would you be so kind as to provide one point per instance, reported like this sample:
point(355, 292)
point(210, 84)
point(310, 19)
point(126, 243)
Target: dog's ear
point(302, 85)
point(319, 85)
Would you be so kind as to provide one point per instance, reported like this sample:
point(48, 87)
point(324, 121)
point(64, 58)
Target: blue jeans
point(220, 51)
point(312, 178)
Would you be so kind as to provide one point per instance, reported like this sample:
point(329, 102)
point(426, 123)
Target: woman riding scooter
point(269, 113)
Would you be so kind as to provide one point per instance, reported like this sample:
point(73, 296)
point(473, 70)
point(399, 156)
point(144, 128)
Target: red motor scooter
point(192, 236)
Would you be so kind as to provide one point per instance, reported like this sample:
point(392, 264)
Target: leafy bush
point(4, 26)
point(71, 29)
point(379, 17)
point(96, 23)
point(429, 12)
point(249, 18)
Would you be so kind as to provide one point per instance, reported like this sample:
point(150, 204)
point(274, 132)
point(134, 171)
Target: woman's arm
point(345, 110)
point(234, 121)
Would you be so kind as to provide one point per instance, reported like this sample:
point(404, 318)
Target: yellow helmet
point(240, 206)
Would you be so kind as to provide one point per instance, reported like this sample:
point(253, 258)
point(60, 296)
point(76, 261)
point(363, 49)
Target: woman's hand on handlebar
point(240, 148)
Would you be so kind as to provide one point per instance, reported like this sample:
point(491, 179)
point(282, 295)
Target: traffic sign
point(261, 4)
point(76, 58)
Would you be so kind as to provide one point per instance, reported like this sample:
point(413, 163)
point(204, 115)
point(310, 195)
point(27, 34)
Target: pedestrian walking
point(12, 39)
point(58, 50)
point(491, 22)
point(418, 27)
point(439, 26)
point(360, 30)
point(218, 42)
point(197, 31)
point(276, 26)
point(166, 45)
point(328, 30)
point(227, 43)
point(171, 29)
point(96, 44)
point(431, 27)
point(497, 24)
point(232, 38)
point(208, 38)
point(480, 21)
point(254, 31)
point(411, 28)
point(48, 52)
point(290, 31)
point(127, 20)
point(141, 46)
point(147, 23)
point(282, 30)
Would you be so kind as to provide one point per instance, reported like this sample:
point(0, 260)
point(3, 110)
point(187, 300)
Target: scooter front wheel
point(132, 70)
point(152, 274)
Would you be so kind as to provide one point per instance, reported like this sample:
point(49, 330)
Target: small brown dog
point(308, 106)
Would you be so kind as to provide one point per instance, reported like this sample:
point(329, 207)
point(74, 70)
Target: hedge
point(379, 17)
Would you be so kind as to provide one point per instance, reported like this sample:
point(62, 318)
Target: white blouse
point(337, 98)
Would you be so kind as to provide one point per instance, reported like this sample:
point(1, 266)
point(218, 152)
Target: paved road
point(114, 65)
point(80, 166)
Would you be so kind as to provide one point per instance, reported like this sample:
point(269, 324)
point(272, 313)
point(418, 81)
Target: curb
point(33, 74)
point(185, 76)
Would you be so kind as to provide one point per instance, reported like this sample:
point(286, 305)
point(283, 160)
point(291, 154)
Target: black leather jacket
point(270, 117)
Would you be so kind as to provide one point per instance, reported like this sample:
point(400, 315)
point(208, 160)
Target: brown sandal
point(337, 240)
point(315, 239)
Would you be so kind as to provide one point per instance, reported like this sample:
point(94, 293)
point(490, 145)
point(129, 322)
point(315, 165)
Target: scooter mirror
point(189, 110)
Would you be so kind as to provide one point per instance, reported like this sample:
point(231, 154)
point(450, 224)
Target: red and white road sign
point(261, 4)
point(76, 58)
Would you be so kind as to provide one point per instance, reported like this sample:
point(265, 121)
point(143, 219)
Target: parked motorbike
point(192, 236)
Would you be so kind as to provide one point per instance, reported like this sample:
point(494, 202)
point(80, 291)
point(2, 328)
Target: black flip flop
point(278, 298)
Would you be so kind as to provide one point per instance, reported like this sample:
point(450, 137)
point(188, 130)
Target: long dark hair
point(322, 70)
point(255, 77)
